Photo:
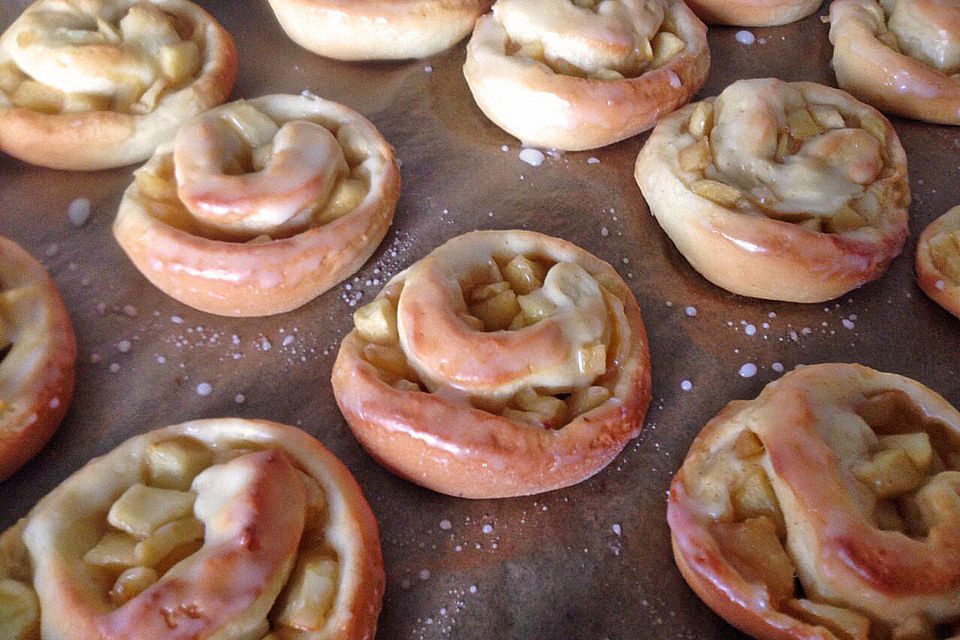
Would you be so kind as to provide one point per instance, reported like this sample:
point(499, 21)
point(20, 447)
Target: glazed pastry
point(901, 56)
point(580, 74)
point(226, 528)
point(37, 357)
point(844, 477)
point(753, 13)
point(93, 84)
point(503, 363)
point(377, 29)
point(938, 261)
point(784, 191)
point(261, 205)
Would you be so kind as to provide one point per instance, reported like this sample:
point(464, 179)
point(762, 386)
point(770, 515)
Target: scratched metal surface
point(591, 561)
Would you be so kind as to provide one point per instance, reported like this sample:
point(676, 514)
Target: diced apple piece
point(141, 509)
point(84, 102)
point(173, 464)
point(354, 144)
point(180, 61)
point(38, 97)
point(158, 545)
point(845, 219)
point(802, 125)
point(701, 122)
point(535, 307)
point(390, 360)
point(718, 192)
point(472, 321)
point(940, 498)
point(874, 125)
point(696, 156)
point(149, 99)
point(758, 553)
point(310, 594)
point(826, 116)
point(115, 550)
point(890, 473)
point(916, 445)
point(344, 199)
point(377, 322)
point(406, 385)
point(747, 445)
point(592, 360)
point(606, 74)
point(497, 312)
point(10, 77)
point(665, 46)
point(529, 417)
point(844, 623)
point(754, 497)
point(154, 187)
point(586, 399)
point(487, 291)
point(19, 611)
point(914, 628)
point(524, 275)
point(551, 410)
point(132, 583)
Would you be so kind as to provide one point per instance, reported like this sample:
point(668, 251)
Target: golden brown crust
point(238, 278)
point(377, 29)
point(936, 245)
point(351, 529)
point(101, 139)
point(37, 375)
point(547, 108)
point(813, 429)
point(885, 77)
point(753, 13)
point(751, 253)
point(450, 446)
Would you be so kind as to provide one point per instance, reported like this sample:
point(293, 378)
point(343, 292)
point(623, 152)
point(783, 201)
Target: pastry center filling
point(901, 471)
point(238, 174)
point(510, 295)
point(155, 530)
point(926, 30)
point(944, 250)
point(782, 156)
point(597, 39)
point(69, 61)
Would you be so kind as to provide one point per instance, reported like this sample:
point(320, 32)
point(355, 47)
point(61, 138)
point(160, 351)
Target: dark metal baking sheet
point(591, 561)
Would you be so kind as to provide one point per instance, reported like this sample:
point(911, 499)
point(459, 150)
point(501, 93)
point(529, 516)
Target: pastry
point(580, 74)
point(938, 261)
point(784, 191)
point(93, 84)
point(753, 13)
point(37, 357)
point(377, 29)
point(223, 528)
point(844, 477)
point(901, 56)
point(261, 205)
point(503, 363)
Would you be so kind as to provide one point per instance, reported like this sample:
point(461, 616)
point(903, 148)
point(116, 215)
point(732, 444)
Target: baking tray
point(591, 561)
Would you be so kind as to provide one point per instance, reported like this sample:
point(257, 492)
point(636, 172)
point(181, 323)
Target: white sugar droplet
point(265, 344)
point(287, 340)
point(745, 37)
point(749, 329)
point(473, 588)
point(114, 367)
point(176, 319)
point(123, 346)
point(847, 324)
point(940, 284)
point(593, 160)
point(616, 529)
point(686, 385)
point(445, 525)
point(204, 389)
point(424, 574)
point(239, 398)
point(776, 366)
point(691, 311)
point(486, 528)
point(427, 68)
point(79, 212)
point(675, 81)
point(748, 370)
point(54, 403)
point(533, 157)
point(130, 310)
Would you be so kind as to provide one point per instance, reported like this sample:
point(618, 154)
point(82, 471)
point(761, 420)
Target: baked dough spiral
point(378, 29)
point(580, 74)
point(784, 191)
point(844, 476)
point(938, 261)
point(901, 56)
point(260, 205)
point(503, 363)
point(753, 13)
point(93, 84)
point(37, 356)
point(229, 529)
